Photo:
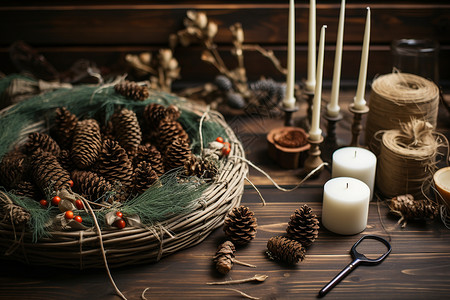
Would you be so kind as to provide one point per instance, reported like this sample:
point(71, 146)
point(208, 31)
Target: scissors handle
point(347, 270)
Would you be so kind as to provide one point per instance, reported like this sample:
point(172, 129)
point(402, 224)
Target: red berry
point(226, 148)
point(68, 214)
point(56, 200)
point(119, 214)
point(79, 204)
point(43, 202)
point(220, 139)
point(78, 219)
point(71, 183)
point(120, 224)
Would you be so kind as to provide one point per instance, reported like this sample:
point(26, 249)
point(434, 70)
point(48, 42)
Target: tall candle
point(345, 205)
point(315, 132)
point(310, 83)
point(359, 101)
point(289, 100)
point(357, 163)
point(333, 107)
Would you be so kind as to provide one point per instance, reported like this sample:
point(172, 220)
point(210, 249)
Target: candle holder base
point(357, 126)
point(313, 161)
point(331, 143)
point(288, 120)
point(306, 121)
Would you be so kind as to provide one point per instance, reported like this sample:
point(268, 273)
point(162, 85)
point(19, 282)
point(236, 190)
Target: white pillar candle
point(345, 205)
point(359, 101)
point(315, 132)
point(333, 107)
point(289, 100)
point(310, 83)
point(357, 163)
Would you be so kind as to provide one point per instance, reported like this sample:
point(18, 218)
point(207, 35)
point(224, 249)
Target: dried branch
point(243, 294)
point(257, 278)
point(266, 53)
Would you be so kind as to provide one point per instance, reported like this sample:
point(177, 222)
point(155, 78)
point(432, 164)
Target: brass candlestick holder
point(357, 126)
point(314, 160)
point(331, 143)
point(288, 120)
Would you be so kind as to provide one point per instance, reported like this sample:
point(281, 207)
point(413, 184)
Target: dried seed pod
point(409, 209)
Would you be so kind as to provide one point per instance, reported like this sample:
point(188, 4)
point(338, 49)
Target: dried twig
point(257, 278)
point(243, 263)
point(243, 294)
point(266, 53)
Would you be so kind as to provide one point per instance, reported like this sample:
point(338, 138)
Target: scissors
point(358, 259)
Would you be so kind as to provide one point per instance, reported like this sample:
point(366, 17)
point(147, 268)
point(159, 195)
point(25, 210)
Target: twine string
point(407, 159)
point(400, 96)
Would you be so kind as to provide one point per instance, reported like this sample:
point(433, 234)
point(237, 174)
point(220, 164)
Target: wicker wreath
point(84, 249)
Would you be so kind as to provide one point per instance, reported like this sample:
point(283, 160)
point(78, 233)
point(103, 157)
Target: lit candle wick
point(347, 185)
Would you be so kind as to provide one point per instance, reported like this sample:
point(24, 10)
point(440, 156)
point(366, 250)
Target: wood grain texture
point(417, 268)
point(104, 32)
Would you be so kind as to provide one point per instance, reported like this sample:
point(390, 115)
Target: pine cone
point(168, 131)
point(132, 90)
point(223, 83)
point(154, 113)
point(13, 168)
point(224, 257)
point(177, 154)
point(113, 163)
point(286, 250)
point(409, 209)
point(47, 172)
point(151, 155)
point(86, 143)
point(201, 168)
point(28, 189)
point(91, 186)
point(42, 141)
point(240, 225)
point(128, 130)
point(65, 124)
point(144, 176)
point(303, 226)
point(16, 214)
point(65, 160)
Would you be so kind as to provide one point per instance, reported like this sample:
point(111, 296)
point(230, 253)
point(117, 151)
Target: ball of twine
point(396, 98)
point(407, 159)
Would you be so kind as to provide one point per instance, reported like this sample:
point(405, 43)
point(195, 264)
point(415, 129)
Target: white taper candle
point(359, 101)
point(315, 132)
point(333, 107)
point(289, 99)
point(310, 83)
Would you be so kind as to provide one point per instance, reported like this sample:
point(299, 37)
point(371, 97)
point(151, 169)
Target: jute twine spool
point(398, 97)
point(407, 159)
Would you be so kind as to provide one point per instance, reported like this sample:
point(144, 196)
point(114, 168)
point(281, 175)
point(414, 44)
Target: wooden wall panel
point(66, 31)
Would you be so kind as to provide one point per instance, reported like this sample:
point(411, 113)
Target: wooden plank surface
point(418, 268)
point(104, 32)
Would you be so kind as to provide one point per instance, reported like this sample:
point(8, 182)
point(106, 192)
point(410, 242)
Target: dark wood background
point(104, 31)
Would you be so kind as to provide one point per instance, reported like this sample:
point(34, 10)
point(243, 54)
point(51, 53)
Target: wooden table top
point(417, 268)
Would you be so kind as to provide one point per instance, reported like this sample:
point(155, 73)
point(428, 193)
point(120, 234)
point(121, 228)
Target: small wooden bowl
point(442, 182)
point(288, 157)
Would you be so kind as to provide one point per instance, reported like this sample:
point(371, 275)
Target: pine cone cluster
point(202, 168)
point(224, 257)
point(110, 160)
point(240, 225)
point(303, 226)
point(285, 250)
point(132, 90)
